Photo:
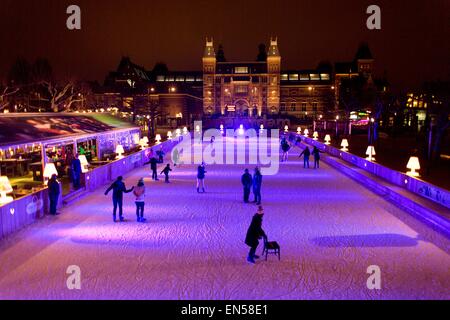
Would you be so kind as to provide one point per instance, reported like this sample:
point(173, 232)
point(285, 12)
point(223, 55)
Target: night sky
point(413, 45)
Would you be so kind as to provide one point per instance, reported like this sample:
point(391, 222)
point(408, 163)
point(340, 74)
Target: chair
point(271, 248)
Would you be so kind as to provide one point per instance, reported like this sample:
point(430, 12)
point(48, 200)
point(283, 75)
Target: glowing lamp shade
point(328, 139)
point(261, 127)
point(145, 140)
point(5, 188)
point(241, 130)
point(286, 128)
point(344, 145)
point(158, 138)
point(185, 130)
point(306, 132)
point(178, 132)
point(120, 151)
point(84, 163)
point(316, 135)
point(371, 153)
point(49, 171)
point(299, 130)
point(169, 135)
point(413, 165)
point(197, 128)
point(221, 127)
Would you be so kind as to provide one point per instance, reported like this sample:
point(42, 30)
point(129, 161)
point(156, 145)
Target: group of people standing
point(306, 153)
point(249, 183)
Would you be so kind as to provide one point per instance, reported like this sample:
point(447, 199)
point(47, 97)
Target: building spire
point(273, 49)
point(209, 48)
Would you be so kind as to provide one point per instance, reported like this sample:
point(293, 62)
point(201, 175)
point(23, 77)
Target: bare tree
point(61, 97)
point(6, 92)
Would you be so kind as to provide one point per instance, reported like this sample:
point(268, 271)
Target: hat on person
point(260, 210)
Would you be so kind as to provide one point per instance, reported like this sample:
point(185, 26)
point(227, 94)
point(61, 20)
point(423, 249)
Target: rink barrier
point(27, 210)
point(424, 201)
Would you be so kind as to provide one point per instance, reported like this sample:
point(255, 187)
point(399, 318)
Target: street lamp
point(413, 165)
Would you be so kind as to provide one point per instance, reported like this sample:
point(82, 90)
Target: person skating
point(53, 194)
point(201, 171)
point(257, 183)
point(161, 155)
point(76, 172)
point(139, 193)
point(285, 147)
point(119, 189)
point(254, 233)
point(316, 153)
point(166, 171)
point(247, 182)
point(154, 167)
point(306, 154)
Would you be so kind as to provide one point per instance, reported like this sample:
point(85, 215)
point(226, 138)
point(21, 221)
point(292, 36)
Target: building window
point(314, 106)
point(180, 79)
point(304, 77)
point(315, 77)
point(241, 70)
point(304, 106)
point(160, 78)
point(284, 77)
point(293, 77)
point(283, 107)
point(190, 79)
point(241, 89)
point(293, 107)
point(325, 76)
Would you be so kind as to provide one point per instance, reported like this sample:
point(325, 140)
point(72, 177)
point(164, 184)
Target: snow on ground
point(330, 228)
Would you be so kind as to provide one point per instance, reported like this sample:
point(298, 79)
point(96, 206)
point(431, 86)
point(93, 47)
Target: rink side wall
point(402, 180)
point(27, 210)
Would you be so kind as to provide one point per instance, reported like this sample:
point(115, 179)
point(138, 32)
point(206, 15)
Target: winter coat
point(119, 189)
point(53, 189)
point(285, 147)
point(201, 173)
point(306, 153)
point(139, 193)
point(153, 163)
point(166, 171)
point(247, 180)
point(76, 166)
point(255, 231)
point(316, 153)
point(257, 182)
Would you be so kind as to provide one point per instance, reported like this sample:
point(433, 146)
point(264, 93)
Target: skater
point(175, 157)
point(53, 194)
point(285, 147)
point(247, 181)
point(154, 167)
point(161, 155)
point(76, 172)
point(257, 183)
point(139, 193)
point(254, 233)
point(316, 153)
point(166, 171)
point(201, 171)
point(306, 154)
point(119, 189)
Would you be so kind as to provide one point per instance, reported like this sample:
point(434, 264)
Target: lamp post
point(337, 126)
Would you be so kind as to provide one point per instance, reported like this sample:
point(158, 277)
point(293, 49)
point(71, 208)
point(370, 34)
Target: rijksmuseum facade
point(241, 90)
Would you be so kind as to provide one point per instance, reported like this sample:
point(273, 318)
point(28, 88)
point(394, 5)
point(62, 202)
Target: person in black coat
point(119, 189)
point(154, 167)
point(306, 154)
point(76, 172)
point(201, 173)
point(316, 153)
point(53, 194)
point(247, 182)
point(254, 233)
point(257, 183)
point(166, 171)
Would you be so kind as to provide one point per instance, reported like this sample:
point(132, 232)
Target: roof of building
point(34, 128)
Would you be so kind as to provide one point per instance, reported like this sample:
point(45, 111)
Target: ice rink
point(330, 228)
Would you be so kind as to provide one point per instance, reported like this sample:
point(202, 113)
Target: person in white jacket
point(139, 193)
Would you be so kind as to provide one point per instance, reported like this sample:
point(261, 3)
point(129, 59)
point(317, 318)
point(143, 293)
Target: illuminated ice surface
point(330, 228)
